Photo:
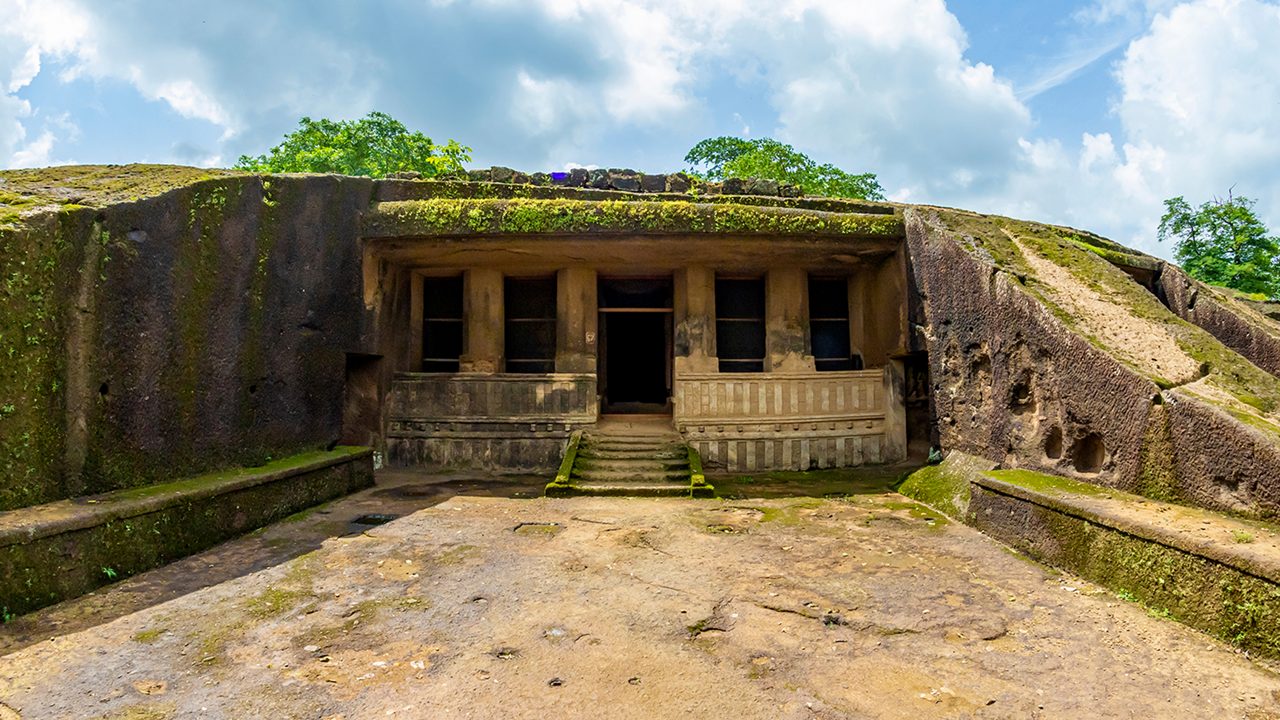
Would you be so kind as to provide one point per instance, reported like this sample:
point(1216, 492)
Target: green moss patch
point(834, 482)
point(482, 190)
point(274, 601)
point(945, 487)
point(1041, 482)
point(95, 185)
point(529, 217)
point(39, 271)
point(792, 513)
point(148, 636)
point(1225, 599)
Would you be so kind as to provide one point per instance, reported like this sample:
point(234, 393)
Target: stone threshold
point(63, 549)
point(1214, 572)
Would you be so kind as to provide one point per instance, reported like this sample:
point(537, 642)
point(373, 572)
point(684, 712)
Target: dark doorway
point(635, 335)
point(361, 418)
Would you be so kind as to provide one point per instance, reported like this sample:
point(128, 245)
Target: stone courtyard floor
point(862, 607)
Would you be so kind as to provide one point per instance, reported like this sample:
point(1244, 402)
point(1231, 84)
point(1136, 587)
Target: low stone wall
point(744, 422)
point(63, 549)
point(504, 422)
point(1209, 571)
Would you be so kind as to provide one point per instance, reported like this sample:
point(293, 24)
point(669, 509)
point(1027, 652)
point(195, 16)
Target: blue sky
point(1082, 112)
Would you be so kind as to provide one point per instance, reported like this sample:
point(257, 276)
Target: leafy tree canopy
point(376, 145)
point(1224, 243)
point(733, 157)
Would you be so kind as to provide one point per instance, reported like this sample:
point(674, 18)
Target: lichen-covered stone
point(945, 487)
point(54, 552)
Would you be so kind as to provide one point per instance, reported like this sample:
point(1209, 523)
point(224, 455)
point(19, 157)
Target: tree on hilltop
point(376, 145)
point(1224, 243)
point(733, 157)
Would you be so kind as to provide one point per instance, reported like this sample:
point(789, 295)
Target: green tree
point(1223, 243)
point(376, 145)
point(732, 157)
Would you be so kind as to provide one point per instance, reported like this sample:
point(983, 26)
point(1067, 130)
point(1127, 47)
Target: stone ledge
point(1181, 527)
point(40, 521)
point(60, 550)
point(1178, 561)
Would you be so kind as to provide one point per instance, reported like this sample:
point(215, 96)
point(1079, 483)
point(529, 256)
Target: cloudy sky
point(1082, 112)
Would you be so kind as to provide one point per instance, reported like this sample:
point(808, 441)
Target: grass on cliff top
point(1255, 391)
point(92, 185)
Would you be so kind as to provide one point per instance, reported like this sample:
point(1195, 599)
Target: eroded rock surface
point(1043, 355)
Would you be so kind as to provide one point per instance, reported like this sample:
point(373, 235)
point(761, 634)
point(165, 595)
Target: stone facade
point(786, 416)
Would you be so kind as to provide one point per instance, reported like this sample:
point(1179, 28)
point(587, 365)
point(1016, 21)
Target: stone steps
point(677, 476)
point(626, 460)
point(624, 444)
point(632, 464)
point(596, 453)
point(642, 489)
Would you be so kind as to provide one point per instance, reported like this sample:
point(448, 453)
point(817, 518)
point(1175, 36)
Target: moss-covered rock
point(201, 322)
point(53, 552)
point(945, 487)
point(1151, 553)
point(537, 217)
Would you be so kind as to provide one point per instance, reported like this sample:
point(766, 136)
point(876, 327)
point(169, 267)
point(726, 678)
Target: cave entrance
point(635, 345)
point(361, 411)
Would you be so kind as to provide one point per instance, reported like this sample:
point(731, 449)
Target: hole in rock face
point(253, 389)
point(1053, 443)
point(1021, 397)
point(1088, 453)
point(1229, 483)
point(104, 390)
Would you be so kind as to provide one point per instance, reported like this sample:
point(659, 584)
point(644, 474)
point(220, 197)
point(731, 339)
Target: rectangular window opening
point(442, 324)
point(740, 324)
point(829, 323)
point(530, 324)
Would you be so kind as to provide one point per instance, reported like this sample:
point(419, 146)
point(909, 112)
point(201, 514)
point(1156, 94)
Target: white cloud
point(1199, 108)
point(1079, 57)
point(30, 30)
point(886, 86)
point(34, 153)
point(190, 101)
point(1100, 12)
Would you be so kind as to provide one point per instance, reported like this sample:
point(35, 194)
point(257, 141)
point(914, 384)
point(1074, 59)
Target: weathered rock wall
point(1237, 325)
point(1010, 382)
point(1022, 377)
point(202, 328)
